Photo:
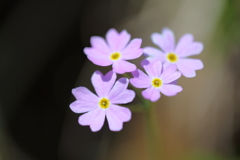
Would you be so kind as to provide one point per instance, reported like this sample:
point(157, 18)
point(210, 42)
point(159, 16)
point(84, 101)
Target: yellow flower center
point(104, 103)
point(156, 82)
point(172, 57)
point(115, 56)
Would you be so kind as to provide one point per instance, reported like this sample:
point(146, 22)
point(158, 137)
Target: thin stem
point(155, 147)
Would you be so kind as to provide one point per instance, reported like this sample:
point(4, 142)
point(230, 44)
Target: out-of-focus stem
point(155, 145)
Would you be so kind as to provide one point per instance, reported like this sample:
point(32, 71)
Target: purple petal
point(154, 53)
point(83, 94)
point(165, 41)
point(151, 93)
point(195, 64)
point(153, 69)
point(170, 89)
point(133, 49)
point(123, 113)
point(185, 70)
point(191, 49)
point(119, 93)
point(172, 77)
point(140, 80)
point(82, 106)
point(100, 44)
point(94, 118)
point(100, 61)
point(103, 84)
point(117, 41)
point(122, 66)
point(124, 38)
point(188, 66)
point(184, 41)
point(168, 70)
point(114, 122)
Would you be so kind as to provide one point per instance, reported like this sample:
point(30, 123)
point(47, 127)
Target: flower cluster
point(163, 68)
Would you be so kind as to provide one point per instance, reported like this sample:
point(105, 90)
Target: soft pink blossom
point(171, 54)
point(158, 80)
point(104, 103)
point(114, 51)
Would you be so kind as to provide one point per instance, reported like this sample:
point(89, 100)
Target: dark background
point(41, 55)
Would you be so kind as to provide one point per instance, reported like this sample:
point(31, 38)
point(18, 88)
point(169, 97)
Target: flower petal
point(133, 49)
point(168, 70)
point(103, 84)
point(83, 94)
point(123, 113)
point(151, 93)
point(170, 78)
point(119, 93)
point(195, 64)
point(188, 66)
point(123, 39)
point(191, 49)
point(100, 44)
point(170, 89)
point(114, 122)
point(82, 106)
point(154, 53)
point(165, 41)
point(122, 66)
point(112, 38)
point(153, 69)
point(100, 61)
point(94, 118)
point(184, 41)
point(140, 80)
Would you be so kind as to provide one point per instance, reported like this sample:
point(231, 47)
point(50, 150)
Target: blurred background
point(42, 59)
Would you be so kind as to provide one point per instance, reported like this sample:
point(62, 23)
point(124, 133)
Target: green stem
point(155, 148)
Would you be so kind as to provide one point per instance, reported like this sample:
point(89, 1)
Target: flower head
point(104, 103)
point(158, 80)
point(115, 51)
point(170, 54)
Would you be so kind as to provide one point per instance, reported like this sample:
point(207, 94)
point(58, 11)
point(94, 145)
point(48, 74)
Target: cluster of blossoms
point(163, 68)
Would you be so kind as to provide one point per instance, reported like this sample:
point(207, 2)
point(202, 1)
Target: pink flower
point(104, 104)
point(115, 51)
point(176, 55)
point(158, 80)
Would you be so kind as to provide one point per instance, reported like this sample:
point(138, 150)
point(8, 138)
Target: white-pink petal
point(119, 87)
point(114, 122)
point(122, 66)
point(185, 69)
point(103, 84)
point(168, 70)
point(84, 94)
point(140, 80)
point(194, 48)
point(82, 106)
point(165, 41)
point(123, 113)
point(155, 53)
point(112, 38)
point(94, 119)
point(123, 97)
point(195, 64)
point(100, 44)
point(132, 50)
point(184, 41)
point(151, 93)
point(101, 61)
point(153, 69)
point(170, 89)
point(172, 77)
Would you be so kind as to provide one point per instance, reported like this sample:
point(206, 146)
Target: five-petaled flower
point(97, 107)
point(115, 52)
point(158, 80)
point(175, 55)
